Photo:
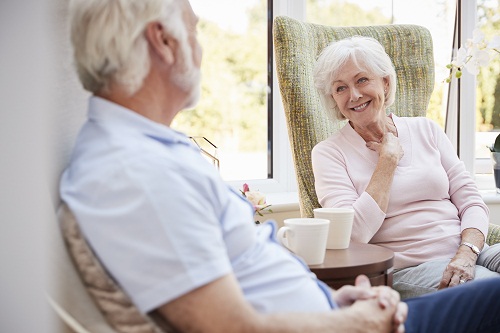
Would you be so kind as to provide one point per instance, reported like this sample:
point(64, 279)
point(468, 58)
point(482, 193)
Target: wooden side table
point(342, 266)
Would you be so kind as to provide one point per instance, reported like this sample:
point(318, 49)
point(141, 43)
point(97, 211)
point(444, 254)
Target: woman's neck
point(375, 131)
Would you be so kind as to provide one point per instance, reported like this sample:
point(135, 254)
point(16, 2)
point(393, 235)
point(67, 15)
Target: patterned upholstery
point(493, 234)
point(297, 45)
point(111, 300)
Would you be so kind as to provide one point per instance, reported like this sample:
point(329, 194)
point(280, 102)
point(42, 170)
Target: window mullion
point(467, 120)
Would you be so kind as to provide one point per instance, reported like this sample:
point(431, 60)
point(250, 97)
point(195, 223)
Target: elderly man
point(175, 237)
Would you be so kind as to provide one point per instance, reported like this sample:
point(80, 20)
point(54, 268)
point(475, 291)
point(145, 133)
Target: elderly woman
point(409, 190)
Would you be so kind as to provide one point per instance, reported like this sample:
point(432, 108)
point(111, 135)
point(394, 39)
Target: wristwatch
point(473, 247)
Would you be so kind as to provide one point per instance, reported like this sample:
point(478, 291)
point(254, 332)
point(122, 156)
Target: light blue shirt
point(163, 223)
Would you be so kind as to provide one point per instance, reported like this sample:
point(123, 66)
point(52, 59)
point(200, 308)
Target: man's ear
point(160, 42)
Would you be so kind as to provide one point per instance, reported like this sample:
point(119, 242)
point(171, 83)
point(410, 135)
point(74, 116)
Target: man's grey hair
point(109, 43)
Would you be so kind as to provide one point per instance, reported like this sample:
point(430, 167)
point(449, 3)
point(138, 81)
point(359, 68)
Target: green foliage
point(341, 13)
point(232, 112)
point(488, 88)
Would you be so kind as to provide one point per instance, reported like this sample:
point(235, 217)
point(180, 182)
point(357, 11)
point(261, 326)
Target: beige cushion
point(115, 305)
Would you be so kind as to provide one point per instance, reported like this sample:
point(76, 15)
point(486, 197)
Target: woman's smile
point(361, 107)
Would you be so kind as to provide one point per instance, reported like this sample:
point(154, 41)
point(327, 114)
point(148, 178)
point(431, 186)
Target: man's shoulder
point(100, 158)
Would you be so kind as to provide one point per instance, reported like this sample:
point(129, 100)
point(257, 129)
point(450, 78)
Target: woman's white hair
point(108, 39)
point(367, 53)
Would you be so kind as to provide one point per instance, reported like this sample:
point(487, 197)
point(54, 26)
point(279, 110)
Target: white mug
point(341, 219)
point(306, 237)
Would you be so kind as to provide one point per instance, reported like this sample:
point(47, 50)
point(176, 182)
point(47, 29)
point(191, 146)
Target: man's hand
point(220, 306)
point(386, 298)
point(347, 295)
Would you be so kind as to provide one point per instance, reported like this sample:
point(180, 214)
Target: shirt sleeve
point(155, 226)
point(463, 191)
point(335, 188)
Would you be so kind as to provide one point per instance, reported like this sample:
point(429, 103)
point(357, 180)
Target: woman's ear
point(386, 83)
point(160, 42)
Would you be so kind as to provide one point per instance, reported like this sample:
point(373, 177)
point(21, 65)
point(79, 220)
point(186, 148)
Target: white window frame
point(467, 121)
point(284, 180)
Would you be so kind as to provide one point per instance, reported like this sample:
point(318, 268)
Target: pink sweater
point(433, 198)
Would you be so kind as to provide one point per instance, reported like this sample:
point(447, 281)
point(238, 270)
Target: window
point(235, 102)
point(240, 109)
point(488, 88)
point(477, 121)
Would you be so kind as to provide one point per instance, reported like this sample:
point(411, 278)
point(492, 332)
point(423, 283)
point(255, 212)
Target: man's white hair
point(109, 43)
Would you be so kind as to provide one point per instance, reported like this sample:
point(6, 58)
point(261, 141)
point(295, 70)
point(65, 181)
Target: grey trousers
point(424, 278)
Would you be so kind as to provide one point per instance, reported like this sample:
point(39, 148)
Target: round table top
point(357, 259)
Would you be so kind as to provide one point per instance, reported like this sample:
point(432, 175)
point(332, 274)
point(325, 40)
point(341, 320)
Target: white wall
point(41, 105)
point(25, 81)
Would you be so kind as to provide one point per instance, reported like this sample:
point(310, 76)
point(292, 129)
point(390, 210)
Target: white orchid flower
point(473, 55)
point(477, 36)
point(478, 58)
point(461, 57)
point(494, 43)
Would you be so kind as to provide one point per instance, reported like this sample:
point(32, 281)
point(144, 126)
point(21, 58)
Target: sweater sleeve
point(463, 191)
point(335, 188)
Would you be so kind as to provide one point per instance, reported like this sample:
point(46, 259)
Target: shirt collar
point(103, 111)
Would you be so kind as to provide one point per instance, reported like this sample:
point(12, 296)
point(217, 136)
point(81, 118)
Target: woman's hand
point(390, 152)
point(462, 268)
point(388, 147)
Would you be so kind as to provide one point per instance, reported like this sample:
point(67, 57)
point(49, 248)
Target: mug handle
point(281, 236)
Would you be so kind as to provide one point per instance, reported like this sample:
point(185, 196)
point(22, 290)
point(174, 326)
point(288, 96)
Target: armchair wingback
point(297, 45)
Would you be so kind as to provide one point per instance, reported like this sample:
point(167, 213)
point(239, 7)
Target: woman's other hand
point(462, 268)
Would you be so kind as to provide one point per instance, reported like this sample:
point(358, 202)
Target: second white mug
point(341, 219)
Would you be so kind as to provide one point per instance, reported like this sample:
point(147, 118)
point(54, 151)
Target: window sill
point(289, 201)
point(283, 202)
point(486, 186)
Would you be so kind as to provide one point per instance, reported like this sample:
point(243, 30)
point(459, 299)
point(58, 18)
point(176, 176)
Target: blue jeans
point(473, 307)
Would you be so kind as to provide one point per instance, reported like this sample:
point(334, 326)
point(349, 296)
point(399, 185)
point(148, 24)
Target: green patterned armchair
point(297, 45)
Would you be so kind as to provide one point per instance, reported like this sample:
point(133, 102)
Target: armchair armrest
point(493, 234)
